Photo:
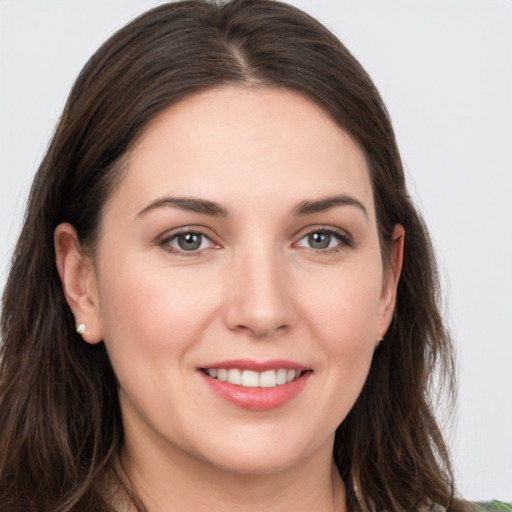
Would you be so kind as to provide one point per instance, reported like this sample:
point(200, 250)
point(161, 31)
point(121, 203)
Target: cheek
point(343, 319)
point(145, 311)
point(151, 325)
point(346, 307)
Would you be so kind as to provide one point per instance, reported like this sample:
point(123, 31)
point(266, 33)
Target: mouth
point(256, 386)
point(254, 379)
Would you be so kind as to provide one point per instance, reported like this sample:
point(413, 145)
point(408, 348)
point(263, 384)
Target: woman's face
point(241, 244)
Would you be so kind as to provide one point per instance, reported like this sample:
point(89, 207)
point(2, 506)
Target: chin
point(266, 456)
point(255, 464)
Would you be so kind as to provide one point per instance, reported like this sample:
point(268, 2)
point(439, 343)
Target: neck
point(173, 480)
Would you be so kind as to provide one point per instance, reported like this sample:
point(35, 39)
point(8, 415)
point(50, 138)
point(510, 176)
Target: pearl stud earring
point(80, 329)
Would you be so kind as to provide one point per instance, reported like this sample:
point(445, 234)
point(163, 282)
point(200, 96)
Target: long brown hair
point(60, 424)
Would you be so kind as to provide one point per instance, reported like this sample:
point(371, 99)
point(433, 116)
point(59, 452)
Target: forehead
point(246, 143)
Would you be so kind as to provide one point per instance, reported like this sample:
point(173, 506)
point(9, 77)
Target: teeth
point(251, 379)
point(281, 376)
point(235, 376)
point(268, 379)
point(290, 375)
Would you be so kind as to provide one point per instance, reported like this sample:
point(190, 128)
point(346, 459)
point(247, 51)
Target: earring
point(80, 329)
point(379, 342)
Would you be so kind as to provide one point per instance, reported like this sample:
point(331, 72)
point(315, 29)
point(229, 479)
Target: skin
point(256, 289)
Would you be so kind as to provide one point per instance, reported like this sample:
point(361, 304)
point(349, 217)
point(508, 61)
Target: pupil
point(319, 240)
point(189, 242)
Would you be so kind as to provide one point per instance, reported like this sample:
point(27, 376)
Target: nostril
point(258, 303)
point(261, 329)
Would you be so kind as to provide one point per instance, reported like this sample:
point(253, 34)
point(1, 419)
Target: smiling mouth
point(253, 379)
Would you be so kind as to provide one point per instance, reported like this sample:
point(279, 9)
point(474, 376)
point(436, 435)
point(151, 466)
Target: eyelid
point(164, 239)
point(343, 236)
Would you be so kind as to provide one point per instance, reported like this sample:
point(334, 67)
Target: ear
point(390, 279)
point(78, 279)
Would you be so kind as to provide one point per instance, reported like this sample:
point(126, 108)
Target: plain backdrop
point(444, 68)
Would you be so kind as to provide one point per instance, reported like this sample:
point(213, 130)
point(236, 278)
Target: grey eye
point(189, 241)
point(319, 240)
point(326, 240)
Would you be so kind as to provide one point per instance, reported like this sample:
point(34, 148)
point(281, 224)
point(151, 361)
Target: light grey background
point(444, 68)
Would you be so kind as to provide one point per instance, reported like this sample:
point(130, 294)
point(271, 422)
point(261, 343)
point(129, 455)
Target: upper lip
point(257, 366)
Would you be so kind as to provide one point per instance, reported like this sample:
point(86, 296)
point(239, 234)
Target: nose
point(259, 298)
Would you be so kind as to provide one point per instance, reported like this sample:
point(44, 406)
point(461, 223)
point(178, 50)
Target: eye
point(187, 241)
point(323, 239)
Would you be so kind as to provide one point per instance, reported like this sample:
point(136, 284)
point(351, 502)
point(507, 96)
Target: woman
point(222, 296)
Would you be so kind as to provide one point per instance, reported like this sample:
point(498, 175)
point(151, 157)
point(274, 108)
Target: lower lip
point(257, 399)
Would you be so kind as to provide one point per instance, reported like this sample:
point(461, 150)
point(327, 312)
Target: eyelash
point(165, 242)
point(343, 238)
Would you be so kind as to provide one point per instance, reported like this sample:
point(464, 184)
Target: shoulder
point(493, 506)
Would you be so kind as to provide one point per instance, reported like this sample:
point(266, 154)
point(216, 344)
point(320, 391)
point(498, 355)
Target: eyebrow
point(186, 204)
point(327, 203)
point(217, 210)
